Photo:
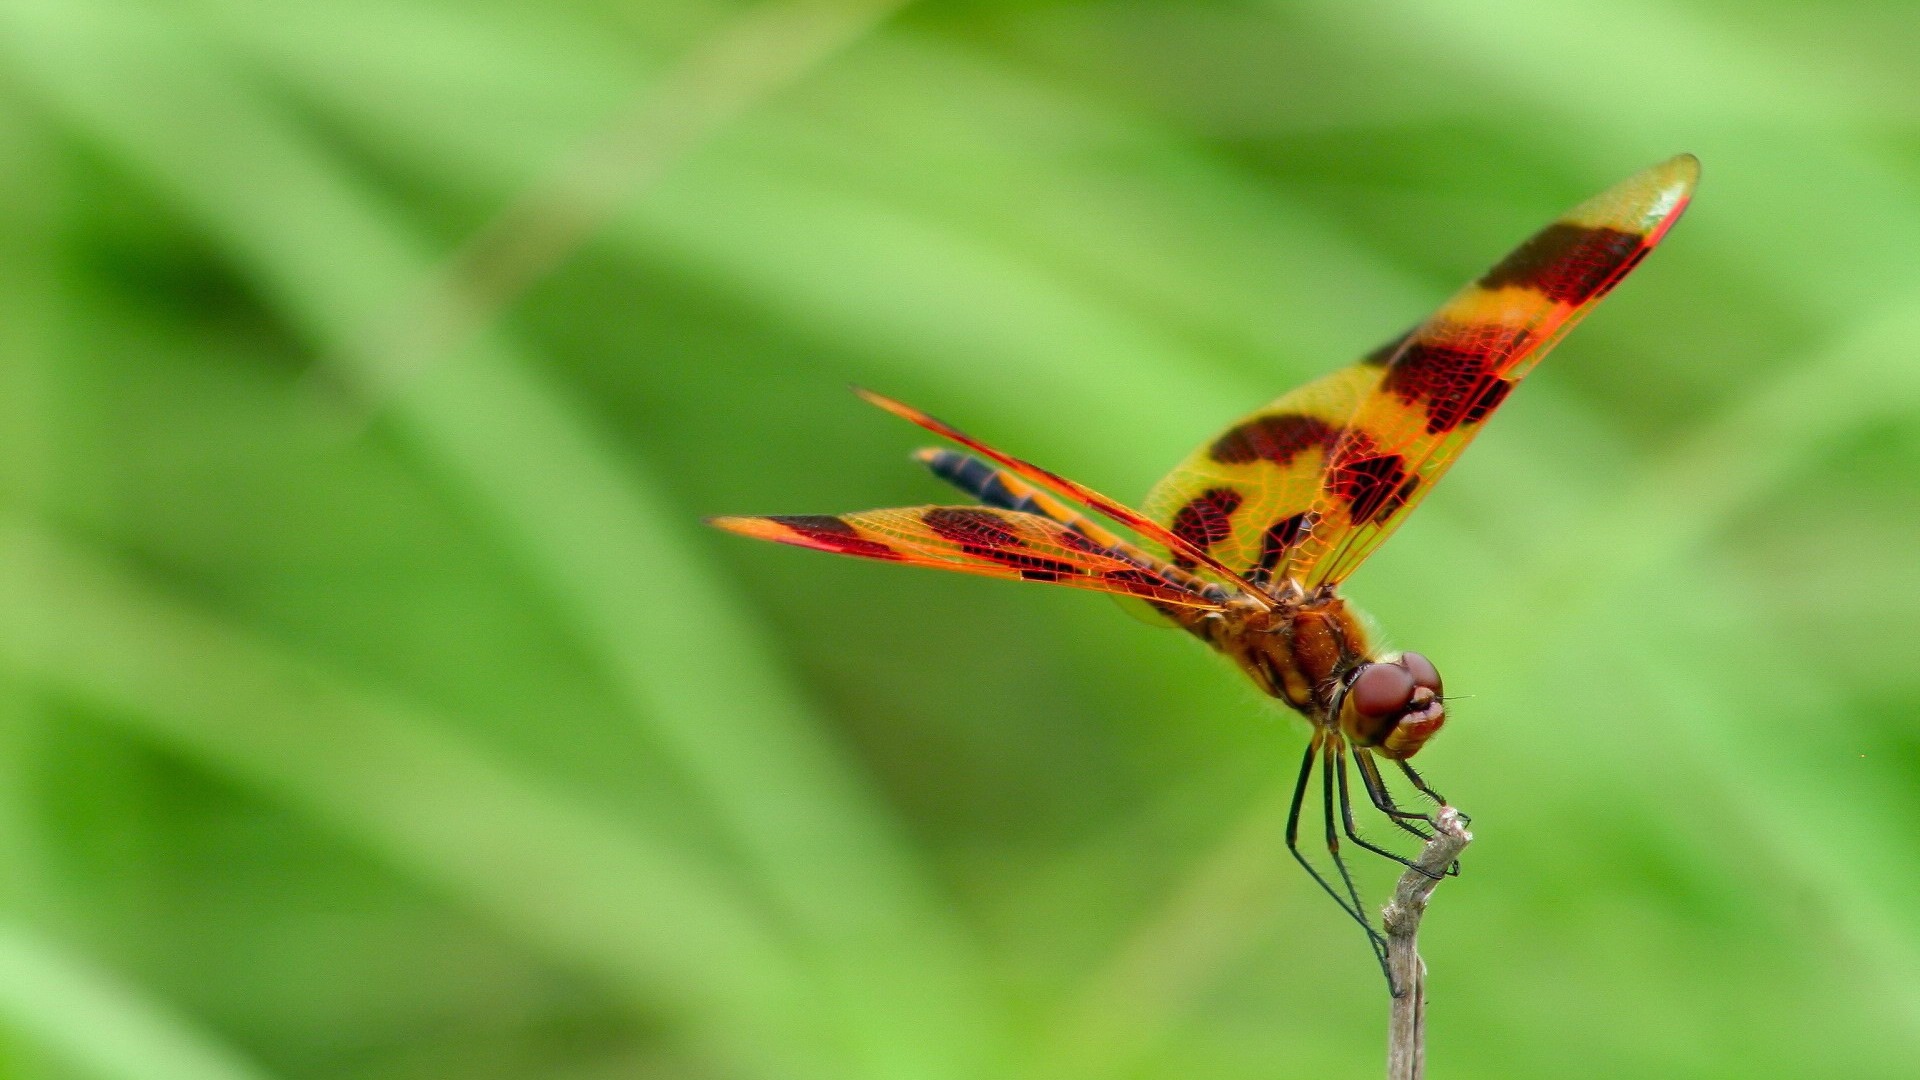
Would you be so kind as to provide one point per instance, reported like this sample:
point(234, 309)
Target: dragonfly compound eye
point(1423, 671)
point(1381, 691)
point(1393, 707)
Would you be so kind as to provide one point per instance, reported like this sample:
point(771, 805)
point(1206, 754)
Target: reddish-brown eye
point(1424, 673)
point(1381, 690)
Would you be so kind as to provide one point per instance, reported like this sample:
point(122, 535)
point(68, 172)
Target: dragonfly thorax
point(1315, 656)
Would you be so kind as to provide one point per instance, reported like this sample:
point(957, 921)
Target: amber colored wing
point(1445, 378)
point(1062, 488)
point(980, 540)
point(1245, 497)
point(1308, 487)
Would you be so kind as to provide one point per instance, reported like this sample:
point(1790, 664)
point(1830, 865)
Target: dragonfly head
point(1394, 705)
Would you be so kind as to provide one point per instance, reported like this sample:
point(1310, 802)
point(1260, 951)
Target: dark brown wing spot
point(1372, 485)
point(1079, 541)
point(835, 535)
point(969, 525)
point(1275, 438)
point(1133, 576)
point(1144, 585)
point(1207, 519)
point(985, 535)
point(1569, 264)
point(1275, 541)
point(1453, 377)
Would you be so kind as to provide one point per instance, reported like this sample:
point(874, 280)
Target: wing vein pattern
point(1307, 487)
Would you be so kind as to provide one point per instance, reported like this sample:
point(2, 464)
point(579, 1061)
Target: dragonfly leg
point(1420, 785)
point(1376, 786)
point(1327, 770)
point(1339, 752)
point(1351, 907)
point(1382, 798)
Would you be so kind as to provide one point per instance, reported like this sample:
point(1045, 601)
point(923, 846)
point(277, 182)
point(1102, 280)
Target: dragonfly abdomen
point(1001, 489)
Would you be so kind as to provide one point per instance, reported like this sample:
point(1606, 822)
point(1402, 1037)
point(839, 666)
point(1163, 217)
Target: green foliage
point(373, 705)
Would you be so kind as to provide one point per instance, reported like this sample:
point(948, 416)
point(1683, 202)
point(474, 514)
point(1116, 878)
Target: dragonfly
point(1246, 542)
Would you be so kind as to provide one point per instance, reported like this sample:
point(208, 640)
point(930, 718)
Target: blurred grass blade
point(617, 555)
point(1812, 825)
point(735, 68)
point(594, 896)
point(1660, 530)
point(96, 1025)
point(33, 304)
point(1681, 77)
point(1161, 972)
point(796, 214)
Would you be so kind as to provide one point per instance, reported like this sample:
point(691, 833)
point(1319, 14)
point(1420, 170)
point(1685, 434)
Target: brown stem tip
point(1407, 1024)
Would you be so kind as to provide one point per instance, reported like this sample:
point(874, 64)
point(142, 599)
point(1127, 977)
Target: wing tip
point(1681, 166)
point(1677, 175)
point(759, 528)
point(1673, 182)
point(882, 401)
point(1647, 203)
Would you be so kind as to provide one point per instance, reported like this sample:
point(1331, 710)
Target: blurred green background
point(373, 704)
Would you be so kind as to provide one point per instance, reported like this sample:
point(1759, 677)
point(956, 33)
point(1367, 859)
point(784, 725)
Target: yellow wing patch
point(1450, 374)
point(1243, 497)
point(1309, 486)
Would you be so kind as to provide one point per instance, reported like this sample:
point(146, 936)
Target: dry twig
point(1407, 1027)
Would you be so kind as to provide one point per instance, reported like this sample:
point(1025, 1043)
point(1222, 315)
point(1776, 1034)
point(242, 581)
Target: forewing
point(1072, 492)
point(1245, 497)
point(977, 540)
point(1439, 383)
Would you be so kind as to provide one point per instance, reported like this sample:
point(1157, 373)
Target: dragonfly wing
point(1000, 488)
point(1246, 496)
point(980, 540)
point(1308, 486)
point(1064, 489)
point(1441, 382)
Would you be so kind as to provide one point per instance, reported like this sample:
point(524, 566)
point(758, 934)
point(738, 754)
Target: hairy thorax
point(1310, 651)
